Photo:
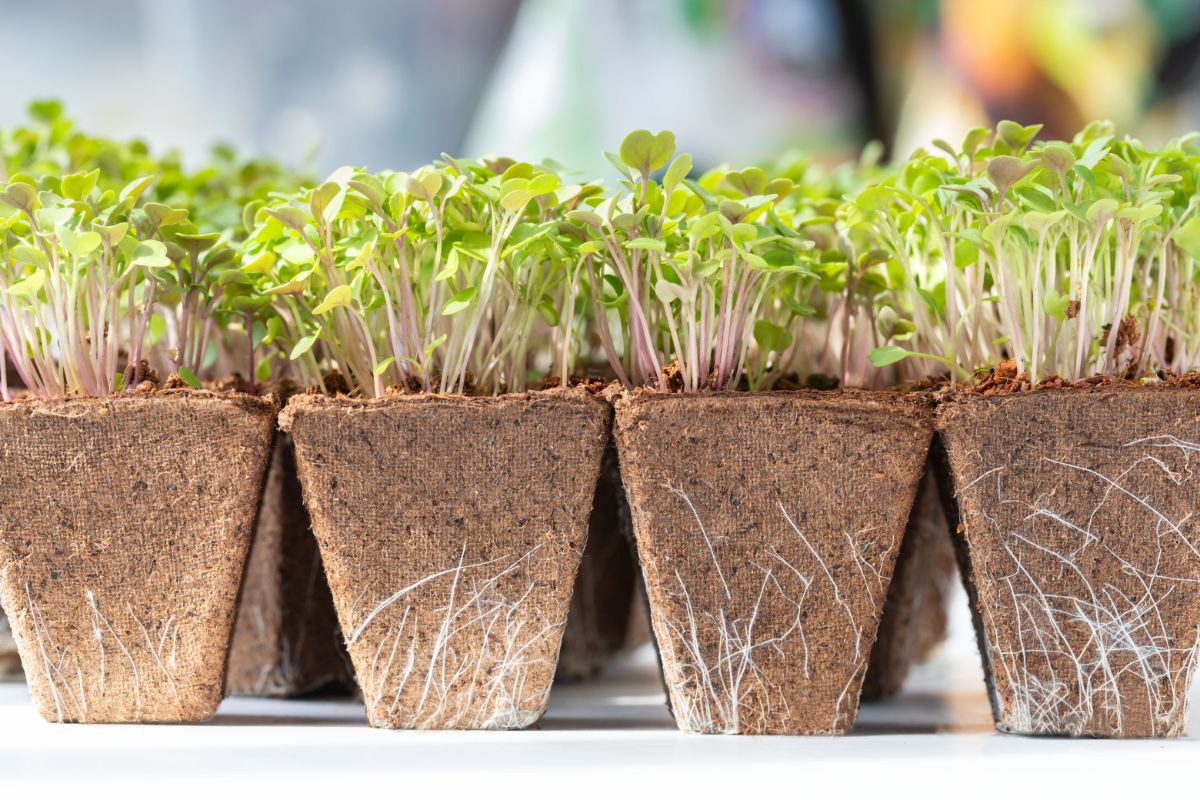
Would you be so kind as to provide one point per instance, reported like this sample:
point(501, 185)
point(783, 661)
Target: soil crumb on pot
point(451, 529)
point(767, 528)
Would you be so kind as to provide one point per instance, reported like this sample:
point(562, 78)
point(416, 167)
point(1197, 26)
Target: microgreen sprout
point(1069, 258)
point(200, 311)
point(79, 272)
point(694, 284)
point(434, 280)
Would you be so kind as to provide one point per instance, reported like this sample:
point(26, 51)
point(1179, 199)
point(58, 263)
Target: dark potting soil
point(124, 528)
point(451, 529)
point(767, 526)
point(1076, 514)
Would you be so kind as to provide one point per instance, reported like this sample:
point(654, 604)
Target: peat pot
point(124, 528)
point(1079, 515)
point(767, 527)
point(606, 586)
point(451, 529)
point(286, 640)
point(916, 613)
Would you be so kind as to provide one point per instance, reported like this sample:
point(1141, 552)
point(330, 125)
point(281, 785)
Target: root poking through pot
point(1078, 513)
point(767, 527)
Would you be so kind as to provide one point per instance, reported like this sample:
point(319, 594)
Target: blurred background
point(388, 84)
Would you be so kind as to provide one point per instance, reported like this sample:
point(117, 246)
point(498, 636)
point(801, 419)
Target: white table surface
point(612, 738)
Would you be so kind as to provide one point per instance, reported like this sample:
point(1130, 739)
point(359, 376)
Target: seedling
point(1069, 258)
point(434, 280)
point(694, 284)
point(80, 271)
point(191, 299)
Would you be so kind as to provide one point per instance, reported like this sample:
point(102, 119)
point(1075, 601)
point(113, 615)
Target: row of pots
point(767, 527)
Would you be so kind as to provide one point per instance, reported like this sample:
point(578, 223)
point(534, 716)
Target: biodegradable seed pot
point(451, 529)
point(602, 600)
point(286, 640)
point(915, 615)
point(767, 526)
point(124, 528)
point(1080, 548)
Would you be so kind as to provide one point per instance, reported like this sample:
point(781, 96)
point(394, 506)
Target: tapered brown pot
point(1078, 512)
point(767, 528)
point(286, 640)
point(124, 527)
point(451, 529)
point(915, 615)
point(605, 587)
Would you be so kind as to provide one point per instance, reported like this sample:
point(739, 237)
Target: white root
point(472, 670)
point(712, 653)
point(1081, 653)
point(72, 678)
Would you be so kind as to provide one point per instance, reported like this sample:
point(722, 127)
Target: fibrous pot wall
point(1078, 512)
point(451, 529)
point(124, 527)
point(10, 662)
point(767, 528)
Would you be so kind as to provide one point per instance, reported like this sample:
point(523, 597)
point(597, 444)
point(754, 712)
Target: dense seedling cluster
point(1069, 258)
point(80, 272)
point(435, 280)
point(487, 276)
point(117, 264)
point(691, 274)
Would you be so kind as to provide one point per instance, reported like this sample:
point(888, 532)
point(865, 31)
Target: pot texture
point(1078, 512)
point(451, 529)
point(915, 616)
point(598, 623)
point(124, 528)
point(767, 527)
point(286, 640)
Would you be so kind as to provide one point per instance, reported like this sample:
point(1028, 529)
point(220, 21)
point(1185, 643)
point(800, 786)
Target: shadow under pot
point(124, 528)
point(451, 529)
point(1079, 516)
point(767, 526)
